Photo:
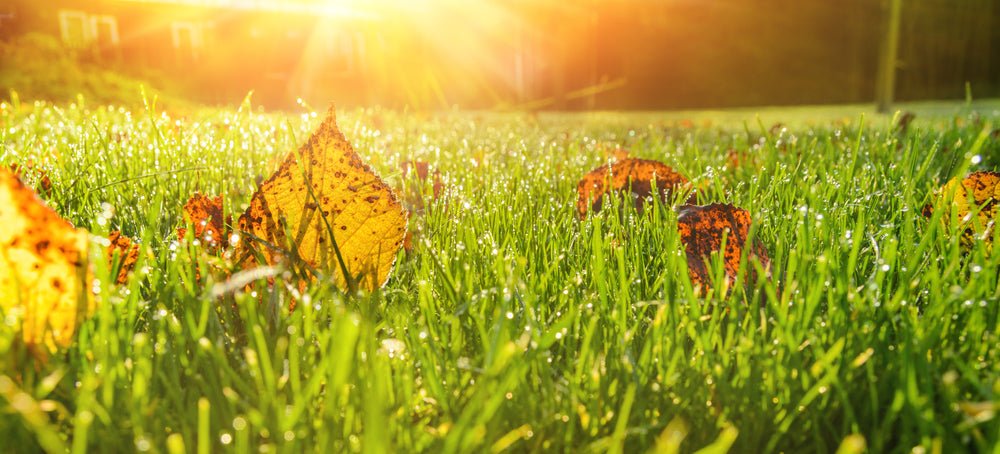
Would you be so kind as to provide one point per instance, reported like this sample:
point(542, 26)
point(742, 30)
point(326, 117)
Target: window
point(188, 40)
point(104, 30)
point(81, 29)
point(74, 27)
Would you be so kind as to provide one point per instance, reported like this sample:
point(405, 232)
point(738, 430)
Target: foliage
point(38, 66)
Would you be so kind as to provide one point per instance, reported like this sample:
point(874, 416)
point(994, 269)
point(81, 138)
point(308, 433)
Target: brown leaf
point(422, 171)
point(903, 124)
point(30, 169)
point(702, 229)
point(634, 177)
point(206, 217)
point(128, 254)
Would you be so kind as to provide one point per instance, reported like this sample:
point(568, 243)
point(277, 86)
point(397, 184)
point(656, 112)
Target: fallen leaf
point(42, 267)
point(974, 202)
point(408, 241)
point(29, 167)
point(325, 189)
point(903, 124)
point(422, 171)
point(702, 229)
point(634, 177)
point(128, 254)
point(205, 215)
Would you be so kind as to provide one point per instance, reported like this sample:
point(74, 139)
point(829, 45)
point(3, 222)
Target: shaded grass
point(513, 325)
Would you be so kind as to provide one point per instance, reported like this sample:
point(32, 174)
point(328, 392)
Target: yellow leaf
point(325, 188)
point(42, 267)
point(974, 202)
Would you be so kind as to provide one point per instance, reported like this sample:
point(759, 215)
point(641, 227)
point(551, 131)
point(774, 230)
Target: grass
point(513, 325)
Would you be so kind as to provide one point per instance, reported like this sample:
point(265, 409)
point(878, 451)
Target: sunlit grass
point(513, 325)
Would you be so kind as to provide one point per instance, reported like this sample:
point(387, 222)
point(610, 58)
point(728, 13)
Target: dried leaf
point(632, 176)
point(29, 168)
point(325, 188)
point(43, 274)
point(903, 124)
point(702, 229)
point(974, 202)
point(128, 254)
point(422, 171)
point(206, 217)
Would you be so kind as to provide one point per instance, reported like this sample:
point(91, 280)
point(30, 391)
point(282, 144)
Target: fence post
point(886, 83)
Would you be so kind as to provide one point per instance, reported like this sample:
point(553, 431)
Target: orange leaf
point(325, 188)
point(206, 217)
point(29, 167)
point(422, 171)
point(702, 229)
point(128, 254)
point(43, 276)
point(631, 176)
point(974, 202)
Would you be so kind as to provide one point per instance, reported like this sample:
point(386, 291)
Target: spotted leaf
point(974, 201)
point(324, 207)
point(127, 253)
point(43, 271)
point(704, 228)
point(632, 177)
point(205, 215)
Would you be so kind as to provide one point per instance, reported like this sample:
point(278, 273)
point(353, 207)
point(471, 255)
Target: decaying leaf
point(30, 169)
point(633, 177)
point(974, 202)
point(325, 189)
point(43, 274)
point(206, 217)
point(422, 171)
point(128, 254)
point(702, 229)
point(903, 124)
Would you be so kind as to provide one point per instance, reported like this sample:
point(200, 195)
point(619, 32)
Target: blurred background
point(502, 54)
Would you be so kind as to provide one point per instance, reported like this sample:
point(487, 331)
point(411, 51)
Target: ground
point(512, 324)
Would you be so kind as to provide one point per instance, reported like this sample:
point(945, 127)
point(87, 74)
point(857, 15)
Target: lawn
point(513, 325)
